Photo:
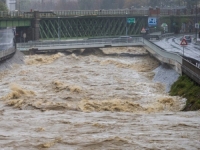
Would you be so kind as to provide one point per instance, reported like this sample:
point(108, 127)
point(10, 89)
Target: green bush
point(188, 89)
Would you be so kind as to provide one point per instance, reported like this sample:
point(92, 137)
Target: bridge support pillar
point(35, 26)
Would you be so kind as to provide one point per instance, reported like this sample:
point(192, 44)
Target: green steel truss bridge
point(89, 27)
point(80, 23)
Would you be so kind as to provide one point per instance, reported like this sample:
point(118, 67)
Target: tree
point(3, 6)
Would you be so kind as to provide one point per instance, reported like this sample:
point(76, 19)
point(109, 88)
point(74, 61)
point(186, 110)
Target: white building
point(11, 4)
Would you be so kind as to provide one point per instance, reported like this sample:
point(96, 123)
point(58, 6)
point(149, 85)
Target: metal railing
point(181, 65)
point(167, 57)
point(79, 43)
point(65, 13)
point(6, 52)
point(191, 70)
point(167, 35)
point(15, 14)
point(113, 12)
point(101, 12)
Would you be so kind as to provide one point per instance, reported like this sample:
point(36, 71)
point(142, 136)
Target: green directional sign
point(130, 20)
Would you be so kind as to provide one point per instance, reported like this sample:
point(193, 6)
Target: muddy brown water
point(92, 102)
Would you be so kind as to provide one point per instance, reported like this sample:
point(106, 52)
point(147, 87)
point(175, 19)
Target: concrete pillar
point(157, 11)
point(35, 25)
point(150, 11)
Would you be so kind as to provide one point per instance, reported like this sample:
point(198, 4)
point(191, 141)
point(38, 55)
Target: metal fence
point(117, 12)
point(167, 57)
point(181, 65)
point(191, 70)
point(79, 43)
point(6, 53)
point(15, 14)
point(101, 12)
point(53, 14)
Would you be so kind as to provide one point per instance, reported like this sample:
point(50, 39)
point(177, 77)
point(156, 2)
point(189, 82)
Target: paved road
point(172, 44)
point(84, 43)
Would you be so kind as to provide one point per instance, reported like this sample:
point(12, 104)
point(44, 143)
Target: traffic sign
point(183, 42)
point(143, 30)
point(197, 25)
point(24, 35)
point(130, 20)
point(152, 21)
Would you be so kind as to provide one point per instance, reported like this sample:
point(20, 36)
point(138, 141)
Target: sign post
point(143, 31)
point(183, 44)
point(196, 25)
point(24, 36)
point(130, 20)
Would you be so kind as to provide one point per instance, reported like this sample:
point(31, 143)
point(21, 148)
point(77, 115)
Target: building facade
point(11, 4)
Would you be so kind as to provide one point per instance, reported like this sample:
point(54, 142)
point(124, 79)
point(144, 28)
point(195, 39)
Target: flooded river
point(92, 101)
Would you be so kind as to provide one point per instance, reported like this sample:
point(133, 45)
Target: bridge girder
point(14, 23)
point(89, 27)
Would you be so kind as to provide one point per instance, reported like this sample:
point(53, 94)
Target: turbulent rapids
point(90, 100)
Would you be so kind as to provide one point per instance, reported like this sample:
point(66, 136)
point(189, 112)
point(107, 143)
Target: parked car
point(123, 39)
point(188, 38)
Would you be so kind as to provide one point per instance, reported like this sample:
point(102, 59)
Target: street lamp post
point(143, 31)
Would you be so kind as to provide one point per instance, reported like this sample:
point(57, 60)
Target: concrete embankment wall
point(180, 64)
point(164, 56)
point(18, 58)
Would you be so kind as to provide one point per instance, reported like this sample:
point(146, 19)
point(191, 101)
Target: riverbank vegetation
point(188, 89)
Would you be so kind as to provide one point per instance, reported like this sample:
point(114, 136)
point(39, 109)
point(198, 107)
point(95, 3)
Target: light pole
point(143, 31)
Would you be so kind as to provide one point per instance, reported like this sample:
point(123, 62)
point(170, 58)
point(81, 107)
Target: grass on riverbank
point(188, 89)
